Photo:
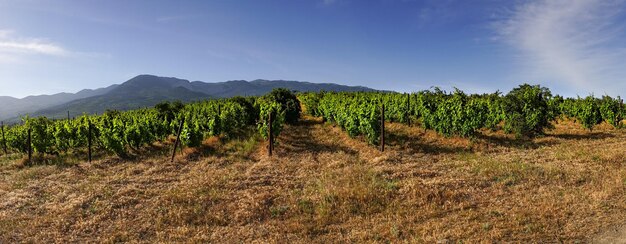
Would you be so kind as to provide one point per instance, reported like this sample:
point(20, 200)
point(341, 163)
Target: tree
point(527, 111)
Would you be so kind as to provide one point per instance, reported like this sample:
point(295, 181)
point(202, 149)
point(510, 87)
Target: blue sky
point(574, 47)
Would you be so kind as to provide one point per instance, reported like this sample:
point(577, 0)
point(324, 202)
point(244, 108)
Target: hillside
point(12, 107)
point(146, 91)
point(260, 87)
point(141, 91)
point(322, 186)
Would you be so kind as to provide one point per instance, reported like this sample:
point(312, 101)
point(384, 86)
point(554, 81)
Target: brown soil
point(322, 186)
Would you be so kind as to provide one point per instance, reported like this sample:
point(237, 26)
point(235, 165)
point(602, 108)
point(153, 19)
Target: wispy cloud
point(11, 44)
point(14, 49)
point(575, 42)
point(33, 46)
point(5, 33)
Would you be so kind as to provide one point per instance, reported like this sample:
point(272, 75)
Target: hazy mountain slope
point(148, 90)
point(13, 107)
point(141, 91)
point(260, 87)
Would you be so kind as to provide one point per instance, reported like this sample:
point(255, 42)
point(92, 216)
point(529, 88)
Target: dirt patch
point(613, 235)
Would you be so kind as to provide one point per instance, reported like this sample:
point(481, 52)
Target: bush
point(527, 111)
point(266, 107)
point(42, 134)
point(588, 112)
point(459, 115)
point(611, 110)
point(248, 105)
point(311, 101)
point(289, 103)
point(111, 132)
point(167, 110)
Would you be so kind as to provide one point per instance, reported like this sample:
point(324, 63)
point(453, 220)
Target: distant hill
point(260, 87)
point(146, 91)
point(13, 107)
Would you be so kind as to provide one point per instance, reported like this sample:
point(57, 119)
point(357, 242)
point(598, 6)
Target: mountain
point(148, 90)
point(260, 87)
point(13, 107)
point(138, 92)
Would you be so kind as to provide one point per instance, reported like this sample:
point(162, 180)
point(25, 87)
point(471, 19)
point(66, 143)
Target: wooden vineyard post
point(180, 129)
point(4, 140)
point(382, 128)
point(30, 148)
point(89, 141)
point(270, 137)
point(68, 120)
point(272, 134)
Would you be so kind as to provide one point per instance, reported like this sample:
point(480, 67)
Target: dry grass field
point(322, 186)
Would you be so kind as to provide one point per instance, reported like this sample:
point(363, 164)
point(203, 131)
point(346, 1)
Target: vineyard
point(525, 112)
point(120, 132)
point(425, 167)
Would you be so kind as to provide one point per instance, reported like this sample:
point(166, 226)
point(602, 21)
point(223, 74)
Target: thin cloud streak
point(33, 46)
point(14, 49)
point(9, 44)
point(574, 42)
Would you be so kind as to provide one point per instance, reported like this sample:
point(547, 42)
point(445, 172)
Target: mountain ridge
point(12, 106)
point(147, 90)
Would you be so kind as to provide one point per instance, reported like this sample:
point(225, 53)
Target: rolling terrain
point(146, 91)
point(13, 106)
point(323, 186)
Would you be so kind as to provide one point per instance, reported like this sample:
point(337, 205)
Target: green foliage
point(231, 118)
point(311, 101)
point(289, 103)
point(457, 114)
point(396, 107)
point(268, 106)
point(526, 110)
point(555, 106)
point(117, 132)
point(168, 110)
point(495, 108)
point(612, 110)
point(191, 135)
point(356, 113)
point(137, 131)
point(111, 132)
point(16, 138)
point(588, 112)
point(41, 132)
point(247, 103)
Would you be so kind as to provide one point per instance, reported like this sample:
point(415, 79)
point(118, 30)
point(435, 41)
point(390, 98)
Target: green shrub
point(289, 103)
point(526, 110)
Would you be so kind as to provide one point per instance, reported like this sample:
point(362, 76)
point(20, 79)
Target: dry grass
point(322, 186)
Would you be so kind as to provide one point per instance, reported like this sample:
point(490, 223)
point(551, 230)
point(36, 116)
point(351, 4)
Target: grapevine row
point(119, 132)
point(525, 111)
